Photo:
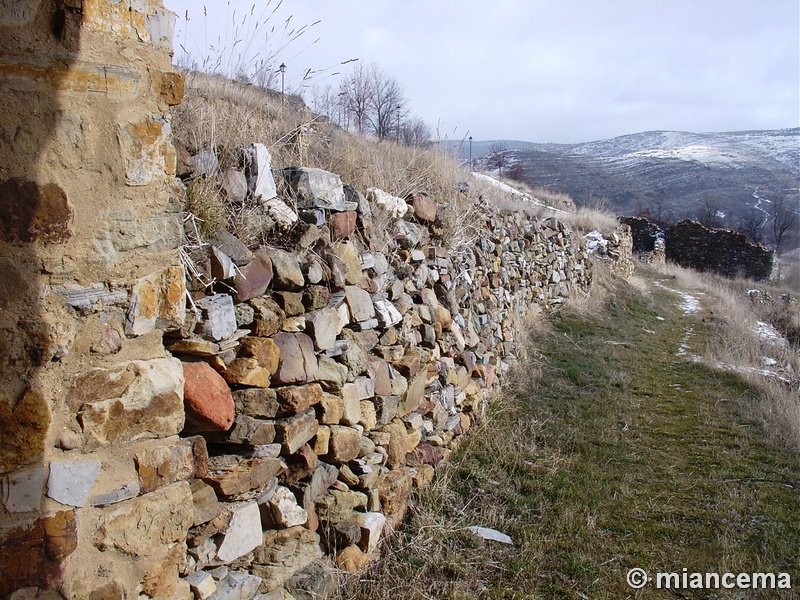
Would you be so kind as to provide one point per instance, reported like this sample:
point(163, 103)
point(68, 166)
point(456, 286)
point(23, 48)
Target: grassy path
point(620, 455)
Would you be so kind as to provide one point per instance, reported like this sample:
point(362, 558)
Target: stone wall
point(192, 418)
point(723, 251)
point(692, 245)
point(85, 210)
point(648, 239)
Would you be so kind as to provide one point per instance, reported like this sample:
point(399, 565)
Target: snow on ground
point(513, 191)
point(769, 334)
point(702, 154)
point(683, 349)
point(595, 241)
point(689, 304)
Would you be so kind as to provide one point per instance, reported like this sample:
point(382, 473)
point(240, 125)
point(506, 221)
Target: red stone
point(342, 225)
point(254, 278)
point(424, 207)
point(207, 398)
point(426, 454)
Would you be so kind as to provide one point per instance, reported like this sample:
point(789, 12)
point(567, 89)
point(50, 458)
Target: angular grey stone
point(129, 490)
point(237, 586)
point(222, 267)
point(324, 325)
point(490, 534)
point(93, 296)
point(359, 302)
point(317, 580)
point(352, 195)
point(204, 163)
point(407, 234)
point(71, 481)
point(22, 490)
point(233, 247)
point(315, 188)
point(286, 270)
point(219, 317)
point(298, 364)
point(247, 431)
point(367, 325)
point(322, 478)
point(235, 185)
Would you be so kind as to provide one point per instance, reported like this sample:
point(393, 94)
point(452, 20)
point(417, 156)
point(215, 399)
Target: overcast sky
point(543, 70)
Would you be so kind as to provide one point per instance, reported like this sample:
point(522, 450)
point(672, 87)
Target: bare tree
point(357, 91)
point(387, 104)
point(328, 101)
point(415, 132)
point(751, 224)
point(784, 220)
point(709, 213)
point(497, 158)
point(374, 100)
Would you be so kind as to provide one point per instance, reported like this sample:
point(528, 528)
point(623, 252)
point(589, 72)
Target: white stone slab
point(71, 481)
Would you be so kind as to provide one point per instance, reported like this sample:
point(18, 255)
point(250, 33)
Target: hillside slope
point(672, 174)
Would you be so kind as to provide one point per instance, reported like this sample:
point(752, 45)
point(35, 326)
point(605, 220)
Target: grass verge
point(620, 454)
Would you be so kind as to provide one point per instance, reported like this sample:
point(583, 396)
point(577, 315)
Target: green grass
point(620, 455)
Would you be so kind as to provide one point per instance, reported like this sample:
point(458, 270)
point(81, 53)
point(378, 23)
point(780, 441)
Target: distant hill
point(671, 174)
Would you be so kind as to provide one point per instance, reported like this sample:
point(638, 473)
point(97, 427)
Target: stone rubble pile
point(616, 248)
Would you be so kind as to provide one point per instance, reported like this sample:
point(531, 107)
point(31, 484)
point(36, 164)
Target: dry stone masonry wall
point(695, 246)
point(186, 417)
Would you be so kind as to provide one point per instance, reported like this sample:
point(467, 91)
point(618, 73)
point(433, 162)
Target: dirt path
point(618, 452)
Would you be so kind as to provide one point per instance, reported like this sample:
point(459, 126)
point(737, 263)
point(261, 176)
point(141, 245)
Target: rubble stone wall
point(723, 251)
point(86, 165)
point(186, 418)
point(648, 239)
point(695, 246)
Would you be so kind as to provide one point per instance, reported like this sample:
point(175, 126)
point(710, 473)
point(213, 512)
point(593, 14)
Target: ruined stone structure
point(648, 239)
point(218, 422)
point(723, 251)
point(695, 246)
point(86, 164)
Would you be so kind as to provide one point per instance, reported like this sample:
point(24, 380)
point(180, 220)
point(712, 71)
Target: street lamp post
point(282, 71)
point(470, 153)
point(398, 122)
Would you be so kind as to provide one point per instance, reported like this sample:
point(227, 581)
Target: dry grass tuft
point(592, 219)
point(221, 114)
